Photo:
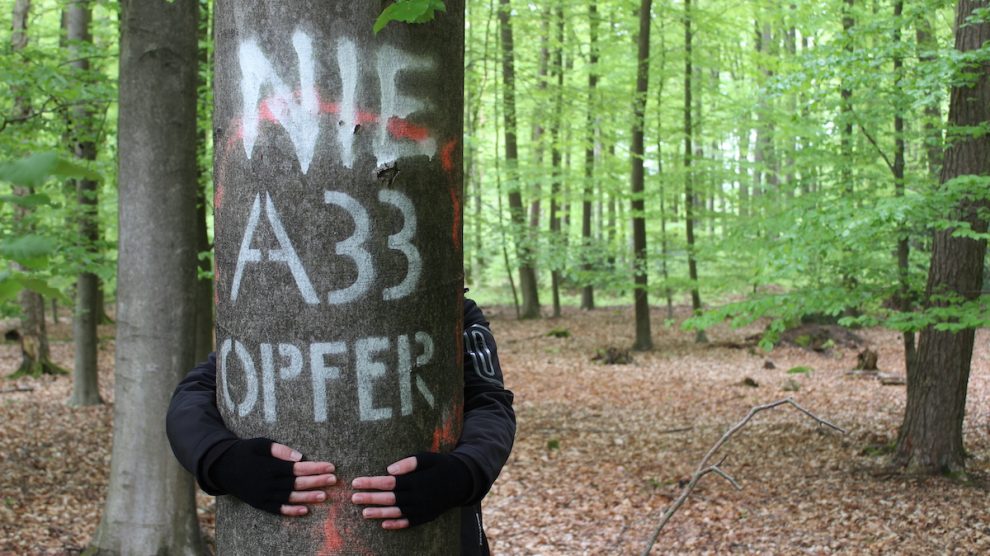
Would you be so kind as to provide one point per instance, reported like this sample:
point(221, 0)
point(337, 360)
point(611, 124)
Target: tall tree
point(644, 337)
point(204, 282)
point(930, 437)
point(590, 142)
point(338, 252)
point(846, 94)
point(150, 506)
point(690, 197)
point(555, 156)
point(527, 273)
point(89, 309)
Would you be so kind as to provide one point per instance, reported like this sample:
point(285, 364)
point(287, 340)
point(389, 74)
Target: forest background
point(767, 163)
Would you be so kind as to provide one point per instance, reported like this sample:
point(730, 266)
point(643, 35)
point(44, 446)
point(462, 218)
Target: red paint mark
point(447, 156)
point(265, 113)
point(403, 129)
point(447, 433)
point(338, 534)
point(216, 284)
point(455, 233)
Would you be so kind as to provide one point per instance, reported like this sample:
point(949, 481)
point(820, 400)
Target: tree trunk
point(527, 273)
point(903, 299)
point(338, 255)
point(930, 437)
point(555, 159)
point(588, 291)
point(150, 506)
point(644, 337)
point(690, 199)
point(846, 146)
point(85, 377)
point(927, 54)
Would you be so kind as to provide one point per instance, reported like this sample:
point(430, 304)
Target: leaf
point(27, 201)
point(409, 11)
point(35, 169)
point(29, 250)
point(42, 287)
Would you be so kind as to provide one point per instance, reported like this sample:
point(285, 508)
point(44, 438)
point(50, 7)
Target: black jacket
point(194, 424)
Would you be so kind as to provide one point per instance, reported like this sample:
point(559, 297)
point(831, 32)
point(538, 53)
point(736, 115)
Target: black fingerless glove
point(439, 483)
point(248, 470)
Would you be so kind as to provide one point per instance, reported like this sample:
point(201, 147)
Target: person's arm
point(420, 488)
point(259, 471)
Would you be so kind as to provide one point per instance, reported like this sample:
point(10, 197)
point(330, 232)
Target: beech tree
point(150, 507)
point(338, 188)
point(930, 437)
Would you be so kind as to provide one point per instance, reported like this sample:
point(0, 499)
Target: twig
point(705, 468)
point(609, 431)
point(17, 388)
point(873, 142)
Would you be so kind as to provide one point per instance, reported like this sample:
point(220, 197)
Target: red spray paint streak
point(338, 538)
point(447, 163)
point(447, 433)
point(400, 128)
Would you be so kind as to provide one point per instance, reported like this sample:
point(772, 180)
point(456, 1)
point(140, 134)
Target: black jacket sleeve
point(489, 421)
point(193, 423)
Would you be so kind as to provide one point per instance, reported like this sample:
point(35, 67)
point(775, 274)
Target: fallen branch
point(17, 388)
point(704, 468)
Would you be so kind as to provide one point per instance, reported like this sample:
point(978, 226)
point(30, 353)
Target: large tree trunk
point(644, 337)
point(89, 309)
point(338, 255)
point(150, 507)
point(930, 438)
point(524, 256)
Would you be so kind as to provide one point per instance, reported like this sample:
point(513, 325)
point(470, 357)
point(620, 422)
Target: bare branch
point(876, 146)
point(705, 468)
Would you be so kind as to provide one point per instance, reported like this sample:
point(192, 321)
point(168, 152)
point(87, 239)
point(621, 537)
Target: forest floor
point(601, 450)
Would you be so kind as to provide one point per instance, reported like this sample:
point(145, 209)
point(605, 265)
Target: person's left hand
point(417, 489)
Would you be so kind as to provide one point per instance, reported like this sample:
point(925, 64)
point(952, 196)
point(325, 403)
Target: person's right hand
point(272, 477)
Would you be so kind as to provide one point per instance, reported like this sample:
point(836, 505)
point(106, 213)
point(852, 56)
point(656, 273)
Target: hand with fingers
point(271, 476)
point(417, 489)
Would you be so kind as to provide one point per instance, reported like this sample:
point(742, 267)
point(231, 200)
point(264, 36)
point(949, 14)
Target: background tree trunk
point(204, 284)
point(89, 308)
point(644, 337)
point(690, 198)
point(591, 138)
point(150, 507)
point(930, 438)
point(527, 274)
point(338, 255)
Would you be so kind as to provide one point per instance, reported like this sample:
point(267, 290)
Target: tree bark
point(690, 198)
point(644, 337)
point(556, 159)
point(85, 377)
point(204, 283)
point(846, 93)
point(930, 437)
point(150, 506)
point(591, 125)
point(524, 256)
point(338, 255)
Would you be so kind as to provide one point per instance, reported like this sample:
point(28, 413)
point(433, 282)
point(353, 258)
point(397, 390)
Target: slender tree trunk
point(150, 506)
point(588, 290)
point(339, 255)
point(690, 198)
point(644, 337)
point(527, 273)
point(555, 156)
point(538, 139)
point(903, 300)
point(930, 437)
point(846, 138)
point(85, 377)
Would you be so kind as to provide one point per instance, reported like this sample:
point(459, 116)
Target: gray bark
point(89, 309)
point(338, 255)
point(150, 507)
point(591, 134)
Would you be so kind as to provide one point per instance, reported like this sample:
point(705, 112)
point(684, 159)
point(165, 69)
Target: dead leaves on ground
point(602, 449)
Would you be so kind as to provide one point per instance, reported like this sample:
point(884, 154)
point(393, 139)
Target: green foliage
point(553, 444)
point(38, 168)
point(559, 332)
point(409, 11)
point(799, 370)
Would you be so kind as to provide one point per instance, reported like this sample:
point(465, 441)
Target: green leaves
point(409, 11)
point(30, 251)
point(35, 169)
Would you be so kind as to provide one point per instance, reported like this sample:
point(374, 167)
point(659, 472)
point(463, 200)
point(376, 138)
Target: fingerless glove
point(439, 483)
point(248, 470)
